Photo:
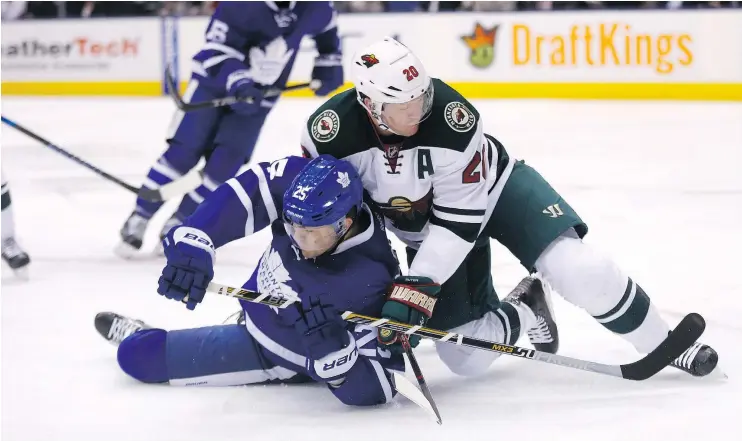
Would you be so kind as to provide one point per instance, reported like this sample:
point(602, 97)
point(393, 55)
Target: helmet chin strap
point(384, 127)
point(375, 111)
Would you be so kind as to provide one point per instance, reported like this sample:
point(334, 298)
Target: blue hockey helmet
point(323, 193)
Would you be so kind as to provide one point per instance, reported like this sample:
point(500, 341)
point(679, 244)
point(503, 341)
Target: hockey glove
point(411, 300)
point(190, 265)
point(328, 69)
point(331, 350)
point(242, 87)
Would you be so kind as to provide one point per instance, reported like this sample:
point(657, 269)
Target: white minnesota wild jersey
point(431, 187)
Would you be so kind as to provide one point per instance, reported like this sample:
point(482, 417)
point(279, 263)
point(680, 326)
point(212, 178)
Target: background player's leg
point(191, 134)
point(234, 143)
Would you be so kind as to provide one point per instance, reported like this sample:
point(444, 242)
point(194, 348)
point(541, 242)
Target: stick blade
point(409, 391)
point(179, 187)
point(687, 332)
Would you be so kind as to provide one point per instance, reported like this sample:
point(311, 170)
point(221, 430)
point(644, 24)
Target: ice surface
point(658, 183)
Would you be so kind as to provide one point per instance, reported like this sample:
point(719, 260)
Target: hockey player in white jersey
point(446, 188)
point(13, 254)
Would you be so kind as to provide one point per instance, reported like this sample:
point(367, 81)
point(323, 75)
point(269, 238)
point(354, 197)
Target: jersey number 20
point(472, 174)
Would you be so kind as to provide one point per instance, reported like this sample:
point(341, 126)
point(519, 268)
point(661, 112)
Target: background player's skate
point(13, 255)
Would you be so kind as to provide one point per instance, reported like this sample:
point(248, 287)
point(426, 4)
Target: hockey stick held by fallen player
point(172, 88)
point(431, 407)
point(69, 155)
point(690, 328)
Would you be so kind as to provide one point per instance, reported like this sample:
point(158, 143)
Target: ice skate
point(115, 328)
point(132, 235)
point(544, 335)
point(699, 360)
point(15, 257)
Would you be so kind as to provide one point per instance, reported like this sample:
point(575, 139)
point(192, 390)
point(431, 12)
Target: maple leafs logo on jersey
point(273, 277)
point(369, 60)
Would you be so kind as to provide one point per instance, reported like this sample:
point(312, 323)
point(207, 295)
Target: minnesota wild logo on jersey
point(459, 117)
point(325, 126)
point(407, 215)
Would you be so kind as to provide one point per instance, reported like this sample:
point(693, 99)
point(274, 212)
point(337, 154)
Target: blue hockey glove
point(411, 300)
point(328, 68)
point(241, 86)
point(190, 265)
point(331, 350)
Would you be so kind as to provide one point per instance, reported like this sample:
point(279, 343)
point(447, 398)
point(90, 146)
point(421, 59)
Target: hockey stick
point(178, 187)
point(678, 341)
point(69, 155)
point(228, 100)
point(420, 378)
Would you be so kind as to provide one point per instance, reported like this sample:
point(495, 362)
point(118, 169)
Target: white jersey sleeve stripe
point(265, 193)
point(246, 202)
point(458, 217)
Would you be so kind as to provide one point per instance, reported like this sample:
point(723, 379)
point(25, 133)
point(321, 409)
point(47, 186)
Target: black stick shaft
point(419, 375)
point(69, 155)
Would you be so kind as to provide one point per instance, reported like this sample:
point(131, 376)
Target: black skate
point(530, 292)
point(115, 328)
point(132, 235)
point(699, 360)
point(15, 257)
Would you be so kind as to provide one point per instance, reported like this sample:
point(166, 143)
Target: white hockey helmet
point(393, 85)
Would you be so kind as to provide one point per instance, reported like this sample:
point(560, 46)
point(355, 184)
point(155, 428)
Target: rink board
point(689, 55)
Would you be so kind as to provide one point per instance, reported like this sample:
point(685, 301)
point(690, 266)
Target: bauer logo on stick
point(326, 126)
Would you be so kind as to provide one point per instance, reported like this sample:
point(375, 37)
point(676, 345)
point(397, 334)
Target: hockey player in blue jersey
point(328, 251)
point(250, 47)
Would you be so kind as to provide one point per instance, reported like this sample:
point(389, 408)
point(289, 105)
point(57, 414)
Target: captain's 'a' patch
point(459, 117)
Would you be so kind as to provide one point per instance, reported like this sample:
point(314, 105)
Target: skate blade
point(717, 374)
point(22, 273)
point(128, 252)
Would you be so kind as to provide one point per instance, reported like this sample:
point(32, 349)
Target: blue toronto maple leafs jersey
point(355, 276)
point(237, 27)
